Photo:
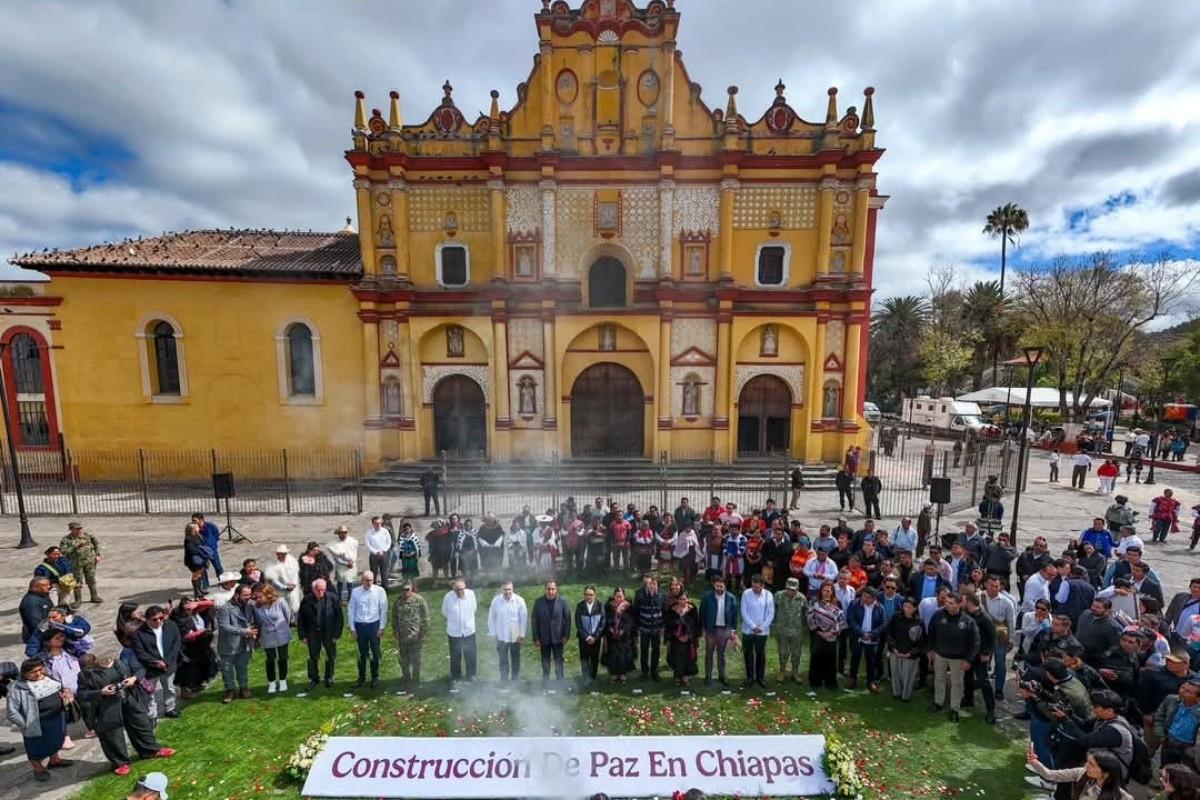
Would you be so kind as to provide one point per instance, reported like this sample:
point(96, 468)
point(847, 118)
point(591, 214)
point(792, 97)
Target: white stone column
point(666, 200)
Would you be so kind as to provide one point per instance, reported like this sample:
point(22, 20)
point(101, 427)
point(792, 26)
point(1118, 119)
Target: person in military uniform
point(410, 625)
point(83, 551)
point(790, 628)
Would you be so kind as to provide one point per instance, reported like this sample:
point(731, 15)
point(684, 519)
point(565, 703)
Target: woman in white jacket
point(284, 576)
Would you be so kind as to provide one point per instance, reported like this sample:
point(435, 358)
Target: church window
point(166, 359)
point(772, 265)
point(393, 402)
point(301, 372)
point(33, 424)
point(607, 283)
point(454, 265)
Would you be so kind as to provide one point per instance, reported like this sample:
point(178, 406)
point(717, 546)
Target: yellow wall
point(229, 353)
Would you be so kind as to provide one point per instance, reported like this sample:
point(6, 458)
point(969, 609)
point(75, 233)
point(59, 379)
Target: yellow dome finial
point(360, 111)
point(394, 111)
point(868, 115)
point(731, 112)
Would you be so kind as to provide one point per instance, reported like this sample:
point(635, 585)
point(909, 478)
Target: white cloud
point(238, 113)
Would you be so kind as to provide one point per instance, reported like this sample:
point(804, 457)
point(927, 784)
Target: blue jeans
point(236, 668)
point(367, 636)
point(215, 563)
point(999, 666)
point(1039, 734)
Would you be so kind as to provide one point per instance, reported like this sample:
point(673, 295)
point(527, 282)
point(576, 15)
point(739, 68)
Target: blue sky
point(124, 119)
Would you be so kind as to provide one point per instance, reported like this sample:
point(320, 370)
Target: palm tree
point(1008, 222)
point(986, 312)
point(896, 330)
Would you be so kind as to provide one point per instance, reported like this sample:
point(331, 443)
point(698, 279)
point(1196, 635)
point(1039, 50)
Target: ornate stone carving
point(666, 203)
point(430, 375)
point(525, 335)
point(573, 213)
point(524, 214)
point(697, 208)
point(515, 378)
point(796, 205)
point(835, 339)
point(640, 214)
point(550, 260)
point(697, 332)
point(679, 376)
point(792, 375)
point(428, 207)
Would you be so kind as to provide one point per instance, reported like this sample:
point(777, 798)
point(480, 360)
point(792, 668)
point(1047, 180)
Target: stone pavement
point(143, 561)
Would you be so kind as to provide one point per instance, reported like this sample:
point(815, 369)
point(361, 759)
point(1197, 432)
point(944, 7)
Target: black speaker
point(939, 490)
point(223, 485)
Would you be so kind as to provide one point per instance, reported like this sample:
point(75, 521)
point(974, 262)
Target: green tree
point(986, 312)
point(1008, 222)
point(896, 329)
point(944, 361)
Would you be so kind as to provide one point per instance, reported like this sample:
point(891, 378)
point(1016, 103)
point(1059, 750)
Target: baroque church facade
point(608, 267)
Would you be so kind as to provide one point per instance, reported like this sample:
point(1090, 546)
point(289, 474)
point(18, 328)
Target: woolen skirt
point(54, 733)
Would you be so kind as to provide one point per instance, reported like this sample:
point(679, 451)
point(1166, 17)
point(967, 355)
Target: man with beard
point(777, 551)
point(236, 633)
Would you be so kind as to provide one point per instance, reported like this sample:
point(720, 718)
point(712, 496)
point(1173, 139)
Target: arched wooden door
point(459, 417)
point(607, 412)
point(606, 283)
point(764, 416)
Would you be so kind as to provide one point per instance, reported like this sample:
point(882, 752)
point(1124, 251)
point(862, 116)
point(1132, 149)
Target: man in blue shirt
point(1177, 722)
point(927, 582)
point(212, 540)
point(1099, 536)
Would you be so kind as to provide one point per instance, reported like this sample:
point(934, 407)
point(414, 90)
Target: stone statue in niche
point(770, 341)
point(526, 396)
point(393, 405)
point(525, 258)
point(608, 338)
point(691, 396)
point(455, 346)
point(829, 401)
point(450, 223)
point(383, 233)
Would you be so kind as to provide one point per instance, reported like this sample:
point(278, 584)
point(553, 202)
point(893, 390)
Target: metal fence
point(643, 482)
point(99, 482)
point(906, 468)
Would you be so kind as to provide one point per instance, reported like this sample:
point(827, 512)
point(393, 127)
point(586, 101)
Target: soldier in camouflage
point(790, 628)
point(410, 624)
point(83, 551)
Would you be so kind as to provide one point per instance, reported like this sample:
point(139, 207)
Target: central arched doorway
point(459, 417)
point(607, 283)
point(607, 412)
point(764, 416)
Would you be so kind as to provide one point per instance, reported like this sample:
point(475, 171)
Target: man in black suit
point(156, 644)
point(319, 625)
point(35, 606)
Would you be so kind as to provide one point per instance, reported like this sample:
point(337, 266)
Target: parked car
point(871, 413)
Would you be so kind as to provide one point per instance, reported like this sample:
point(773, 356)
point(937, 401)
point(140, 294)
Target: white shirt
point(508, 620)
point(1036, 588)
point(459, 613)
point(378, 541)
point(1082, 460)
point(758, 611)
point(819, 571)
point(845, 596)
point(345, 550)
point(1143, 440)
point(926, 609)
point(1054, 458)
point(1184, 626)
point(369, 605)
point(1129, 541)
point(943, 568)
point(158, 638)
point(868, 616)
point(720, 598)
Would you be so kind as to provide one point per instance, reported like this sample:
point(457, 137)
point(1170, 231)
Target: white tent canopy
point(1042, 397)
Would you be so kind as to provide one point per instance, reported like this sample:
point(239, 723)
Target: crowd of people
point(1104, 667)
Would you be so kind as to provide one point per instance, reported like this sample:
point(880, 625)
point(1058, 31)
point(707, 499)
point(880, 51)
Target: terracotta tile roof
point(231, 252)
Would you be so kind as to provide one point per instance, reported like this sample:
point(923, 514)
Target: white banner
point(552, 767)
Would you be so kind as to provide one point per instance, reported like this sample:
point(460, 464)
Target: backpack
point(1140, 767)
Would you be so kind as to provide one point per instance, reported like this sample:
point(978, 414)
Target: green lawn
point(240, 750)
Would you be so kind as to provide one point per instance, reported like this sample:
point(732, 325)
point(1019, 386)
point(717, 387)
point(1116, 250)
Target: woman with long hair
point(195, 556)
point(1179, 783)
point(681, 626)
point(314, 565)
point(826, 621)
point(618, 637)
point(1098, 779)
point(906, 646)
point(61, 665)
point(273, 618)
point(37, 706)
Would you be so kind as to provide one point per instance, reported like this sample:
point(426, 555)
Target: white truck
point(943, 414)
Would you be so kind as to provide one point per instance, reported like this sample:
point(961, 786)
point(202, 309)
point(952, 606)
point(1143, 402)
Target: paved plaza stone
point(142, 561)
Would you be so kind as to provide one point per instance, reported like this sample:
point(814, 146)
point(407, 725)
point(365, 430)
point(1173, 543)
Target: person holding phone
point(113, 709)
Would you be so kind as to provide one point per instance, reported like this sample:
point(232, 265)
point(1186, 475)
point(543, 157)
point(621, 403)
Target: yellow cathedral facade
point(609, 267)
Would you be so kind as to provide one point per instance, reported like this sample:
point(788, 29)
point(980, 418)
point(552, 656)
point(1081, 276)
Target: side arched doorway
point(764, 416)
point(459, 417)
point(607, 283)
point(607, 412)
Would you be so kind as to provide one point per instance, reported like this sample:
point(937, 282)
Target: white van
point(871, 413)
point(943, 414)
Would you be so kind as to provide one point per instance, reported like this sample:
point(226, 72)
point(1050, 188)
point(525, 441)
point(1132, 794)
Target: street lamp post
point(26, 534)
point(1167, 365)
point(1033, 355)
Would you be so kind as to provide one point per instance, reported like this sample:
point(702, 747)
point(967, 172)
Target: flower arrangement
point(841, 769)
point(301, 761)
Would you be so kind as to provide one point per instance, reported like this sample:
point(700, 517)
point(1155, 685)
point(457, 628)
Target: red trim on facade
point(54, 324)
point(36, 300)
point(720, 423)
point(772, 364)
point(454, 364)
point(10, 388)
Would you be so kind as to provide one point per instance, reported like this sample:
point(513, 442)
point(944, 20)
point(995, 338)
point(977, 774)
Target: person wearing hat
point(319, 625)
point(284, 576)
point(790, 627)
point(924, 528)
point(83, 551)
point(344, 552)
point(226, 583)
point(152, 786)
point(410, 626)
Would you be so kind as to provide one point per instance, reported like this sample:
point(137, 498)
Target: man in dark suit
point(35, 607)
point(157, 644)
point(926, 582)
point(319, 626)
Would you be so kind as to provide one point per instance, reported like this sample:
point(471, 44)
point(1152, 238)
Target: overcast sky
point(128, 118)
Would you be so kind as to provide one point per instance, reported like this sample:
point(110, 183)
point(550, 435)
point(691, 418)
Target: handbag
point(72, 711)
